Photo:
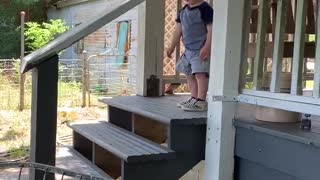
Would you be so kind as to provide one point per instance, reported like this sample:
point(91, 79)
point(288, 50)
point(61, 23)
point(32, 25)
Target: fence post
point(22, 76)
point(84, 78)
point(88, 80)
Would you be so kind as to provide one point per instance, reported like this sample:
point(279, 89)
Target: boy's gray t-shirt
point(194, 21)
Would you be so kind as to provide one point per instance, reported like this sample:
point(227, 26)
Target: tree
point(38, 35)
point(10, 21)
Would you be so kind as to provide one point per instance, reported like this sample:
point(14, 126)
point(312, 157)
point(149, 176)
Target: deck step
point(121, 143)
point(162, 109)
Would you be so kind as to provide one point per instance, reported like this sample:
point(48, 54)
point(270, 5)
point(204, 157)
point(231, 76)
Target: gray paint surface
point(122, 143)
point(278, 151)
point(162, 109)
point(186, 136)
point(44, 115)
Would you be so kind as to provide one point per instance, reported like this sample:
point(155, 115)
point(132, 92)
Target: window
point(123, 40)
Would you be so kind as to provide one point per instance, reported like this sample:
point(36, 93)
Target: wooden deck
point(163, 109)
point(160, 120)
point(246, 118)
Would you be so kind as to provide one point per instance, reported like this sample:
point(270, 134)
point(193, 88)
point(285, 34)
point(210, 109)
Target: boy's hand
point(205, 53)
point(169, 52)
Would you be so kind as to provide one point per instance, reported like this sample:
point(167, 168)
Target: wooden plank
point(109, 141)
point(280, 104)
point(310, 16)
point(22, 76)
point(143, 125)
point(173, 79)
point(107, 162)
point(261, 144)
point(160, 109)
point(283, 96)
point(245, 40)
point(254, 19)
point(151, 45)
point(227, 47)
point(282, 101)
point(121, 143)
point(83, 146)
point(309, 50)
point(77, 33)
point(278, 45)
point(274, 14)
point(299, 43)
point(316, 84)
point(290, 26)
point(44, 115)
point(289, 131)
point(178, 47)
point(258, 62)
point(138, 141)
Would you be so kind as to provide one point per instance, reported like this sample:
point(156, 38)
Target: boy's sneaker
point(196, 106)
point(191, 100)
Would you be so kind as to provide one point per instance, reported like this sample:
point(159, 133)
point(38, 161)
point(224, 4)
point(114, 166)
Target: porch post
point(226, 56)
point(44, 116)
point(151, 47)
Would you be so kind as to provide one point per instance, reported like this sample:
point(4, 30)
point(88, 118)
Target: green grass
point(16, 153)
point(69, 94)
point(15, 125)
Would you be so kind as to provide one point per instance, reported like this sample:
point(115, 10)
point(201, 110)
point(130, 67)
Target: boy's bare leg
point(202, 82)
point(193, 85)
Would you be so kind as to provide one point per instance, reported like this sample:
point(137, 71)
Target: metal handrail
point(66, 40)
point(47, 169)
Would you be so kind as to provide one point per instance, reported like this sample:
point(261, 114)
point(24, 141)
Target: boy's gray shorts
point(190, 63)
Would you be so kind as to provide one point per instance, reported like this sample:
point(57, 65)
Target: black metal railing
point(46, 169)
point(77, 33)
point(44, 63)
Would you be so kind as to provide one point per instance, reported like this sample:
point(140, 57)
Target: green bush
point(38, 35)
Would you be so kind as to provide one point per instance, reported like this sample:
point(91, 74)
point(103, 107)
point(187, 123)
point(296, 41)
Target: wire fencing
point(105, 78)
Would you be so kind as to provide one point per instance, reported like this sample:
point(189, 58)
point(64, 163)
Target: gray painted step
point(163, 109)
point(123, 144)
point(279, 151)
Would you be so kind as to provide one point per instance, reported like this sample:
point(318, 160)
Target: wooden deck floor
point(291, 131)
point(66, 159)
point(163, 109)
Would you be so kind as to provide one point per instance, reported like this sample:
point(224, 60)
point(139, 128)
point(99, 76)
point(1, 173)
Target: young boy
point(194, 25)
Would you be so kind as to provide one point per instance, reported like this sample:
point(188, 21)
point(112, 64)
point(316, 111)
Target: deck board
point(290, 131)
point(163, 109)
point(123, 144)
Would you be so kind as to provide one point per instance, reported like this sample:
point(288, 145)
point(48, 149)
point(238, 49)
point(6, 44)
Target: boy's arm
point(175, 40)
point(206, 49)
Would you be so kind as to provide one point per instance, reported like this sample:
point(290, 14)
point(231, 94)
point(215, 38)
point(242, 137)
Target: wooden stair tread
point(123, 144)
point(162, 109)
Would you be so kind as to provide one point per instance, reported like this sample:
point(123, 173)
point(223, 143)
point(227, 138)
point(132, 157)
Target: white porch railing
point(295, 101)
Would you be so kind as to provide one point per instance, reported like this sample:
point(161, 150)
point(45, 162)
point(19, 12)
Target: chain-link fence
point(105, 78)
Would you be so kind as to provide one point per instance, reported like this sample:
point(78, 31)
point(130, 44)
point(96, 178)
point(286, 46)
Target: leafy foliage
point(38, 35)
point(9, 37)
point(10, 21)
